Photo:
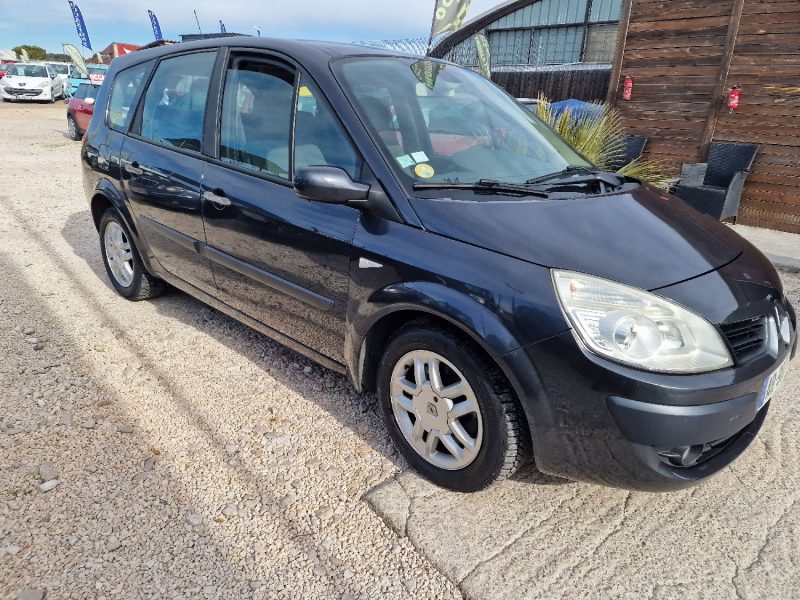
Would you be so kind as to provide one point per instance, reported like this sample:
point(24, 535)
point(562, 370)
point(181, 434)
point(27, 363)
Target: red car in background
point(4, 67)
point(80, 109)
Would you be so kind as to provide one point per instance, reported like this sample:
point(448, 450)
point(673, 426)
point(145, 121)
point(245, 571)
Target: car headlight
point(638, 328)
point(44, 85)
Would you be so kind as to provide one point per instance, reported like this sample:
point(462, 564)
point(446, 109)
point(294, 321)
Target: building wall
point(542, 32)
point(676, 52)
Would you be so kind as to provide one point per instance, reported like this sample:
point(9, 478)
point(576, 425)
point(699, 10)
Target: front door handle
point(217, 198)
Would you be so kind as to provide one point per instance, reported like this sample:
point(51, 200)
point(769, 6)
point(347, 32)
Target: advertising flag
point(222, 27)
point(449, 15)
point(77, 59)
point(23, 55)
point(80, 25)
point(156, 26)
point(484, 55)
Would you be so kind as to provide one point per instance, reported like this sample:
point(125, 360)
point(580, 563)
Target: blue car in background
point(97, 73)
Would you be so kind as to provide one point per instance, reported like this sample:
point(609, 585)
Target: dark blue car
point(406, 222)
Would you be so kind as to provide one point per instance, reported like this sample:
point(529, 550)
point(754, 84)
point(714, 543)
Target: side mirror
point(89, 101)
point(329, 184)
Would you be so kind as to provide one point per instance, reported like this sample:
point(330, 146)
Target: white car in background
point(30, 81)
point(62, 70)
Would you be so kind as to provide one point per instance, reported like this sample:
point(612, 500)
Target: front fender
point(462, 311)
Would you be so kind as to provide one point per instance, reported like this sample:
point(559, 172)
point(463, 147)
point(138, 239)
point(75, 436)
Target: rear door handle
point(217, 198)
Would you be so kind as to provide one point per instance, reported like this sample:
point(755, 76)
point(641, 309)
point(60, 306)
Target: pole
point(198, 23)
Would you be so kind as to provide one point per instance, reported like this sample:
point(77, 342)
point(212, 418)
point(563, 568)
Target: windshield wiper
point(484, 185)
point(612, 180)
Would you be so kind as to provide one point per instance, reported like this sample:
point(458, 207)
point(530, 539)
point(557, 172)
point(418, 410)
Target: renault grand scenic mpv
point(408, 223)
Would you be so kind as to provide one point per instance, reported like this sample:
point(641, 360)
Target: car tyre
point(123, 262)
point(72, 128)
point(496, 429)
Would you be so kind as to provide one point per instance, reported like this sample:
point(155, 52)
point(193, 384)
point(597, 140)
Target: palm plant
point(600, 138)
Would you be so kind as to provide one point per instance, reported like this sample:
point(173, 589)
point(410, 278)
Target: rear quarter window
point(124, 92)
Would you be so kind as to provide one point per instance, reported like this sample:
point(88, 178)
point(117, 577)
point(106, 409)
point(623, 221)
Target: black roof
point(305, 51)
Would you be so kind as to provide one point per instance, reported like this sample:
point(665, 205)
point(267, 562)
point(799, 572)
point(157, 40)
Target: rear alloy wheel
point(72, 128)
point(122, 261)
point(449, 411)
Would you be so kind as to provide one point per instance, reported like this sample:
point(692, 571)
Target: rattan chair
point(633, 149)
point(715, 188)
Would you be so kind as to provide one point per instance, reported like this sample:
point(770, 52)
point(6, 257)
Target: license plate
point(772, 384)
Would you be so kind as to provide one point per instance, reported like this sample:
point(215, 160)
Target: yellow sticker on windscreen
point(424, 170)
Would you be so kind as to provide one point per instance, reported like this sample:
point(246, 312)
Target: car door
point(85, 109)
point(162, 165)
point(278, 258)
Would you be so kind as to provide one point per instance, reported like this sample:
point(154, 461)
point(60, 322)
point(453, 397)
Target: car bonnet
point(643, 238)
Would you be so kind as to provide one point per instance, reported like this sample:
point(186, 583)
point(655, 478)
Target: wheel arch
point(106, 196)
point(444, 306)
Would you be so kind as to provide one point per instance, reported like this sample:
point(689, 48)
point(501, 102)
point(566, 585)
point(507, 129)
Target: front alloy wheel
point(436, 410)
point(449, 409)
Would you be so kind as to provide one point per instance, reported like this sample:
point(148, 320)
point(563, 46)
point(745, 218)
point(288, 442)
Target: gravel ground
point(160, 449)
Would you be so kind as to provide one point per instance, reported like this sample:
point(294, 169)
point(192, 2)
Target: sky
point(49, 24)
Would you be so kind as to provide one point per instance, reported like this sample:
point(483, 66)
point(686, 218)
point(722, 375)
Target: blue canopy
point(578, 108)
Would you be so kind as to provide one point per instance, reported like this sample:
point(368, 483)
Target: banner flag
point(77, 59)
point(427, 71)
point(449, 16)
point(484, 55)
point(80, 25)
point(222, 27)
point(23, 55)
point(156, 26)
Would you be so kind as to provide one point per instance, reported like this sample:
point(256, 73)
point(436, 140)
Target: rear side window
point(257, 117)
point(123, 94)
point(175, 101)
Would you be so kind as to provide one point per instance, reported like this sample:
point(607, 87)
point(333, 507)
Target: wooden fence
point(684, 55)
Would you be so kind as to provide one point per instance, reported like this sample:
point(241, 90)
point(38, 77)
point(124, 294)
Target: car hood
point(644, 238)
point(26, 82)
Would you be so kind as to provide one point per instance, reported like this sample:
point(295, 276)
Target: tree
point(34, 52)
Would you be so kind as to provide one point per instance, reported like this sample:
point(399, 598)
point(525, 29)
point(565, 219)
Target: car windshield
point(439, 123)
point(60, 69)
point(27, 71)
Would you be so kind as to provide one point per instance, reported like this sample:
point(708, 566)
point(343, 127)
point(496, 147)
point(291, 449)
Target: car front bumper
point(595, 420)
point(12, 93)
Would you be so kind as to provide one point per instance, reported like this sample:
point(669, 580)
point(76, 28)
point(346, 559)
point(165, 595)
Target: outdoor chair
point(633, 148)
point(715, 188)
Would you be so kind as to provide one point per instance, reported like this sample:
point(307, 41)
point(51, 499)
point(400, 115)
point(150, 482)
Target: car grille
point(22, 92)
point(746, 337)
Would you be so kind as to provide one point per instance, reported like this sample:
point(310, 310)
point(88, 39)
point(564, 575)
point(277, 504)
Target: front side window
point(257, 117)
point(123, 94)
point(320, 139)
point(440, 123)
point(175, 101)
